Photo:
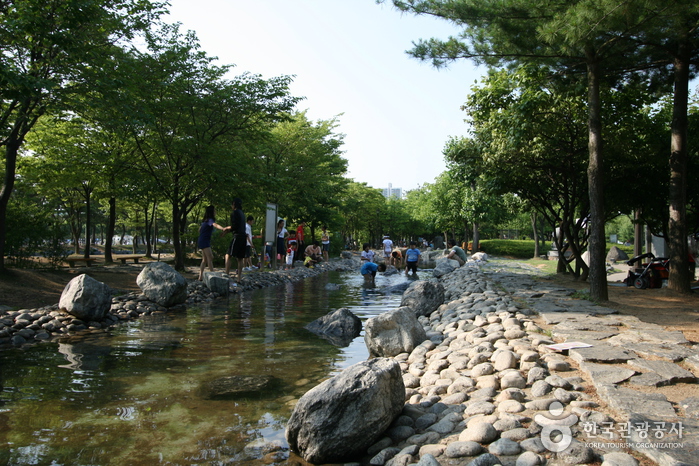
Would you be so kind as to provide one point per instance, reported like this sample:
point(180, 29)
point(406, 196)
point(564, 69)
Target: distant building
point(392, 192)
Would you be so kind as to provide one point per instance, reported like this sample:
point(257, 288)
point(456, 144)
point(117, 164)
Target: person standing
point(249, 246)
point(387, 249)
point(204, 242)
point(239, 241)
point(412, 257)
point(301, 249)
point(281, 246)
point(325, 241)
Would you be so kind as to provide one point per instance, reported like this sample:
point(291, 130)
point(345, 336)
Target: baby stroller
point(652, 273)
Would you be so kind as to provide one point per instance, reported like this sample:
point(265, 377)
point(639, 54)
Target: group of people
point(392, 256)
point(240, 246)
point(290, 245)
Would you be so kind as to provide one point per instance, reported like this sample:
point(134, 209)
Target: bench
point(125, 257)
point(72, 260)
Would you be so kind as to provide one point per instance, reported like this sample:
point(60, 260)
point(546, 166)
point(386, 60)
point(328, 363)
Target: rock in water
point(236, 385)
point(339, 419)
point(393, 332)
point(339, 327)
point(86, 298)
point(162, 284)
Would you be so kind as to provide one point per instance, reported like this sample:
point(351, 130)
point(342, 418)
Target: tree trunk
point(595, 179)
point(637, 234)
point(11, 150)
point(678, 279)
point(176, 238)
point(111, 227)
point(535, 233)
point(88, 221)
point(476, 238)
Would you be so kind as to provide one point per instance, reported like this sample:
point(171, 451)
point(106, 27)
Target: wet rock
point(393, 332)
point(423, 297)
point(340, 418)
point(236, 385)
point(339, 327)
point(162, 284)
point(86, 298)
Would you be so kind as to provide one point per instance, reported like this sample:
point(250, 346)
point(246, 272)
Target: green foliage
point(523, 249)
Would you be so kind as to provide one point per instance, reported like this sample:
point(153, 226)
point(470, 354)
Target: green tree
point(581, 36)
point(195, 127)
point(48, 50)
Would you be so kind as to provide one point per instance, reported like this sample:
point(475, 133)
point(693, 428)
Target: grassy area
point(524, 249)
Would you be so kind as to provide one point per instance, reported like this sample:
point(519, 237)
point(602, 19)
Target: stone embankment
point(486, 389)
point(18, 327)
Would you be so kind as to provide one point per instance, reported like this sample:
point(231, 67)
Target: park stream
point(135, 395)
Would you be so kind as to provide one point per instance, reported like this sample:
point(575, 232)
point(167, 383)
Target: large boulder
point(339, 327)
point(86, 298)
point(424, 297)
point(393, 332)
point(217, 282)
point(162, 284)
point(339, 419)
point(444, 266)
point(616, 255)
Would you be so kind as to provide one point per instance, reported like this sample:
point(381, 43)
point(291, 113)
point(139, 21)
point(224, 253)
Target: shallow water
point(133, 396)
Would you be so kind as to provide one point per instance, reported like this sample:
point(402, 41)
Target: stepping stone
point(660, 450)
point(631, 402)
point(669, 353)
point(691, 406)
point(577, 335)
point(605, 373)
point(601, 353)
point(669, 373)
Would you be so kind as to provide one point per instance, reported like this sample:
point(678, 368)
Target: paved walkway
point(627, 360)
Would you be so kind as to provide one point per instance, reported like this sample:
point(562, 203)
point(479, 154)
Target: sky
point(349, 61)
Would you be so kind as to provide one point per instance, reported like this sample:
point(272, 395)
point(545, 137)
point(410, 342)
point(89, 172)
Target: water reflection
point(134, 395)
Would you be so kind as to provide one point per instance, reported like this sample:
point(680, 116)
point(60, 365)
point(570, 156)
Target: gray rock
point(529, 458)
point(428, 460)
point(533, 444)
point(505, 447)
point(605, 373)
point(340, 418)
point(619, 459)
point(384, 455)
point(576, 453)
point(486, 459)
point(601, 353)
point(339, 327)
point(541, 388)
point(217, 282)
point(423, 297)
point(481, 432)
point(631, 401)
point(393, 332)
point(162, 284)
point(461, 449)
point(691, 406)
point(669, 372)
point(86, 298)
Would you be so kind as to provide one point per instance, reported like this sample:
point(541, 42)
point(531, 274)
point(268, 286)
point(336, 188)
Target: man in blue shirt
point(412, 257)
point(369, 269)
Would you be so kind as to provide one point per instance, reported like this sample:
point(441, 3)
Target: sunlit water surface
point(133, 396)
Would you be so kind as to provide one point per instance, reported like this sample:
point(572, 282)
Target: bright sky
point(348, 58)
